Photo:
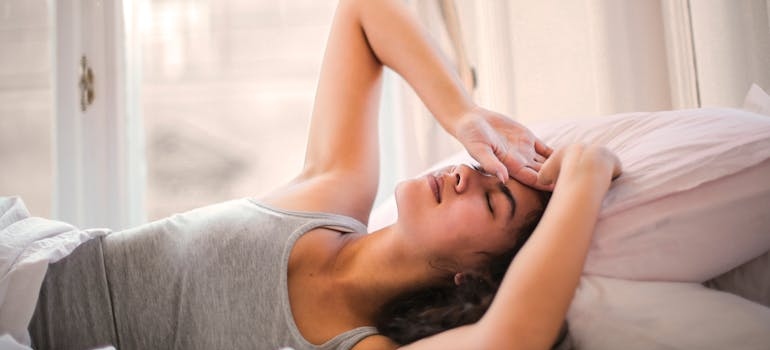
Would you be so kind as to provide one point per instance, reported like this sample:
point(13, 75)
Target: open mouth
point(435, 187)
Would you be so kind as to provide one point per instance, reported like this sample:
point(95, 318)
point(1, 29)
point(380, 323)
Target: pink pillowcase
point(670, 151)
point(688, 236)
point(693, 201)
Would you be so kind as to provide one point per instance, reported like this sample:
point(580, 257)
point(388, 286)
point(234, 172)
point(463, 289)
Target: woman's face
point(460, 215)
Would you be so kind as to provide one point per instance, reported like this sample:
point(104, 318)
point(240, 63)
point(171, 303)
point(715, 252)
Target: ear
point(459, 278)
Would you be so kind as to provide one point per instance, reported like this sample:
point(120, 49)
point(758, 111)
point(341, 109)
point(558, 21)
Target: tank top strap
point(337, 222)
point(348, 339)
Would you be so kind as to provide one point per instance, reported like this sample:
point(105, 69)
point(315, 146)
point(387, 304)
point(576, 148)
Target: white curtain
point(537, 61)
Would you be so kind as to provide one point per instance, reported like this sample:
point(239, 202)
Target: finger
point(548, 188)
point(535, 166)
point(529, 177)
point(550, 171)
point(515, 162)
point(539, 158)
point(491, 163)
point(542, 149)
point(547, 178)
point(502, 174)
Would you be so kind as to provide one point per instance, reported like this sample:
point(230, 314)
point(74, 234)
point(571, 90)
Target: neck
point(372, 269)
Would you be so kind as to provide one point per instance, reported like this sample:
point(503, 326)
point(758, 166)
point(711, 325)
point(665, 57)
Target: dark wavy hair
point(418, 314)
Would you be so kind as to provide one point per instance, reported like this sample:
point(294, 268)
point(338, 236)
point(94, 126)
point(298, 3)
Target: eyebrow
point(507, 192)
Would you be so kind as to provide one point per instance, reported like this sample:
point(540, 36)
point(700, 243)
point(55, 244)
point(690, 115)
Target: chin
point(406, 195)
point(401, 192)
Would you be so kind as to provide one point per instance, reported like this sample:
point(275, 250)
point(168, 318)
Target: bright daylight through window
point(26, 102)
point(227, 90)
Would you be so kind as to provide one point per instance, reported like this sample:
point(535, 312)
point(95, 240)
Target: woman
point(279, 273)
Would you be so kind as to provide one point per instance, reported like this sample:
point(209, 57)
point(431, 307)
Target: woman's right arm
point(342, 159)
point(538, 287)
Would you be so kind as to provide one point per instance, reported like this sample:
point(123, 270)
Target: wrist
point(463, 115)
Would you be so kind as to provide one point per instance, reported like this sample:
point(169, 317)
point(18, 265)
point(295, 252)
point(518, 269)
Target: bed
point(692, 208)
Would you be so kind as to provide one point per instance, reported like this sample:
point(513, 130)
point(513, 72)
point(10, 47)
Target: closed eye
point(489, 204)
point(478, 168)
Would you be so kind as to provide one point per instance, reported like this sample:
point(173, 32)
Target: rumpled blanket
point(27, 245)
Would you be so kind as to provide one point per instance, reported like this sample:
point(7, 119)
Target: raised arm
point(502, 146)
point(342, 159)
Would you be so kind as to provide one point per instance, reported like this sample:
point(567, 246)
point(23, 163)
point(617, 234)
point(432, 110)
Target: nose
point(462, 175)
point(466, 178)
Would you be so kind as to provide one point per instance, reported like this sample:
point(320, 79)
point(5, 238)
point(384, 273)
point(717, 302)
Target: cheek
point(476, 229)
point(409, 202)
point(467, 215)
point(463, 226)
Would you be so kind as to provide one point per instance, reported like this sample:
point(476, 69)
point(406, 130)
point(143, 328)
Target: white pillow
point(614, 314)
point(659, 220)
point(757, 100)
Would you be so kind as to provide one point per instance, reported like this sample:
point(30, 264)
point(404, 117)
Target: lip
point(435, 186)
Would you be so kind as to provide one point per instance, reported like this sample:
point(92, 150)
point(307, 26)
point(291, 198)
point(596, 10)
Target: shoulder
point(338, 193)
point(375, 342)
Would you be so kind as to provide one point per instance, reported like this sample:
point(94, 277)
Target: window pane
point(25, 104)
point(227, 93)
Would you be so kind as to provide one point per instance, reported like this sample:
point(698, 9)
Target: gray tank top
point(211, 278)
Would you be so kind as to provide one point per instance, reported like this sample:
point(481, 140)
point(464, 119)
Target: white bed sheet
point(27, 246)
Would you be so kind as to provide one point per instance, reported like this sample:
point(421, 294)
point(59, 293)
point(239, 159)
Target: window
point(25, 104)
point(227, 92)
